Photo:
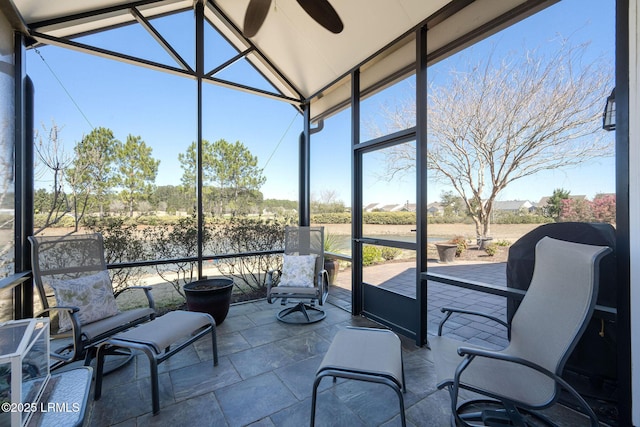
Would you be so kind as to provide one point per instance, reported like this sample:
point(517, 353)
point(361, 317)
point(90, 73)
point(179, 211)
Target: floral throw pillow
point(298, 270)
point(93, 295)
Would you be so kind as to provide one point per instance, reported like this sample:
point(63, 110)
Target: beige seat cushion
point(166, 330)
point(368, 351)
point(97, 328)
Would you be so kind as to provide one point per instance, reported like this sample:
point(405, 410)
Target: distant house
point(388, 208)
point(513, 206)
point(435, 209)
point(379, 207)
point(373, 207)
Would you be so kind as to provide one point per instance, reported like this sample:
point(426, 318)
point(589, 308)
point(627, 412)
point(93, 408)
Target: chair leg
point(403, 419)
point(214, 343)
point(314, 396)
point(155, 389)
point(99, 368)
point(89, 355)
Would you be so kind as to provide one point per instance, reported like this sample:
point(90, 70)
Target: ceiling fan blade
point(323, 13)
point(255, 16)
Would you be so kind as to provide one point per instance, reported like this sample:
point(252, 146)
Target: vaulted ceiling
point(302, 60)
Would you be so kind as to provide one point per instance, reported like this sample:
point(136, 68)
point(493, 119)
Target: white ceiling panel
point(298, 56)
point(313, 57)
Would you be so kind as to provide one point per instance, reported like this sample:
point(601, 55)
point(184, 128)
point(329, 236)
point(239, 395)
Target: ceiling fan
point(320, 10)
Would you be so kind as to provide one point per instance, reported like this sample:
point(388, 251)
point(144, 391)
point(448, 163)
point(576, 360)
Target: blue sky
point(79, 91)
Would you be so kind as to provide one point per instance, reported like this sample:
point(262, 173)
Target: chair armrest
point(147, 292)
point(75, 331)
point(499, 355)
point(69, 308)
point(449, 311)
point(470, 353)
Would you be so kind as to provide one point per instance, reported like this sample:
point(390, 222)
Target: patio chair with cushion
point(75, 290)
point(525, 376)
point(303, 278)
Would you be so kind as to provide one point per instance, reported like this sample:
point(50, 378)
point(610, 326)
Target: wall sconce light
point(609, 115)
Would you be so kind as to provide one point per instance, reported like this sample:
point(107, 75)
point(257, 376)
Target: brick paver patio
point(401, 277)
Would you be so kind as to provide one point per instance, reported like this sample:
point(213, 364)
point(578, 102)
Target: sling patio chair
point(303, 278)
point(525, 376)
point(75, 291)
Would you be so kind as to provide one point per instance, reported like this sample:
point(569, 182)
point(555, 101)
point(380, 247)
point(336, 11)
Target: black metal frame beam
point(199, 12)
point(304, 172)
point(23, 151)
point(623, 256)
point(356, 197)
point(446, 12)
point(137, 16)
point(109, 54)
point(494, 25)
point(94, 13)
point(388, 140)
point(230, 62)
point(144, 22)
point(216, 10)
point(421, 182)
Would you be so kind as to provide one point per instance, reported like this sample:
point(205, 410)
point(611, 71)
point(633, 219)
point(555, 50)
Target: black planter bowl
point(211, 296)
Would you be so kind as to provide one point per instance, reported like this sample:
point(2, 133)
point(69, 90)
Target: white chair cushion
point(298, 271)
point(93, 295)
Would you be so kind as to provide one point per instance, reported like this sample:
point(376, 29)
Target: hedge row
point(383, 218)
point(521, 219)
point(387, 218)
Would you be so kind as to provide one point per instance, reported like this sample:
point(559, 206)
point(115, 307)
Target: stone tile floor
point(265, 378)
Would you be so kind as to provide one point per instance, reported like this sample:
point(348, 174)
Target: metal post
point(623, 223)
point(356, 197)
point(304, 173)
point(421, 184)
point(199, 11)
point(23, 225)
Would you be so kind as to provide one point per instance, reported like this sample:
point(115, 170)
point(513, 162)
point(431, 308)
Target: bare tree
point(328, 202)
point(499, 120)
point(51, 160)
point(6, 199)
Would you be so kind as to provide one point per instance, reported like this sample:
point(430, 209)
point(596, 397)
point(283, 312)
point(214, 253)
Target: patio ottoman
point(155, 339)
point(364, 354)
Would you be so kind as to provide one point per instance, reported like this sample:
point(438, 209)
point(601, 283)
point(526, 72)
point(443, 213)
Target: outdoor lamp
point(609, 115)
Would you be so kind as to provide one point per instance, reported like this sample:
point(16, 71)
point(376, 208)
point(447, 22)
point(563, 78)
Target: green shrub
point(390, 253)
point(389, 218)
point(492, 249)
point(177, 241)
point(371, 255)
point(503, 243)
point(240, 235)
point(331, 218)
point(462, 244)
point(447, 219)
point(331, 242)
point(520, 218)
point(122, 243)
